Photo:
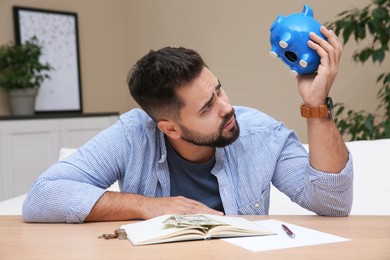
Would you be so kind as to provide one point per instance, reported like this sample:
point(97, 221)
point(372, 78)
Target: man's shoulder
point(134, 124)
point(252, 117)
point(135, 118)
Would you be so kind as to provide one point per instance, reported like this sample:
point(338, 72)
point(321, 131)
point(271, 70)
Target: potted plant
point(21, 74)
point(371, 22)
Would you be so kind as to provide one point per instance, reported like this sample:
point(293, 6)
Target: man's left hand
point(314, 88)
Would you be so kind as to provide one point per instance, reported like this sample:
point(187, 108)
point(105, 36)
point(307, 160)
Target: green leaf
point(387, 78)
point(364, 55)
point(347, 33)
point(380, 13)
point(380, 77)
point(360, 32)
point(339, 110)
point(380, 55)
point(369, 122)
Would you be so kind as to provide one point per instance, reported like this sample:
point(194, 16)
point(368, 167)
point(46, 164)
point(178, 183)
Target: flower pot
point(23, 101)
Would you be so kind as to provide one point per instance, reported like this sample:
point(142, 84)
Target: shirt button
point(257, 205)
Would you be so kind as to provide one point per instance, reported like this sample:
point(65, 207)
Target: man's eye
point(219, 90)
point(206, 109)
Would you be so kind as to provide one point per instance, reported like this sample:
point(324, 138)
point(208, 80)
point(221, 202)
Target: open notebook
point(171, 228)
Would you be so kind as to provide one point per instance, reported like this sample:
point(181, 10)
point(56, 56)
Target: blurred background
point(232, 36)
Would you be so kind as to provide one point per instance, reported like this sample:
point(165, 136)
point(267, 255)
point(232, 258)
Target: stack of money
point(197, 220)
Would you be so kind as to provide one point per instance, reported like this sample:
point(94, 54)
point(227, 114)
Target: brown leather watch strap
point(314, 112)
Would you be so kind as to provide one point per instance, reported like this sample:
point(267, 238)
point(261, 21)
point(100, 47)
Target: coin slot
point(290, 56)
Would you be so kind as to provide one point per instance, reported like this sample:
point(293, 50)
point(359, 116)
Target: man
point(193, 152)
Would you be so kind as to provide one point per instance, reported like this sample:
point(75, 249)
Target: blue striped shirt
point(133, 152)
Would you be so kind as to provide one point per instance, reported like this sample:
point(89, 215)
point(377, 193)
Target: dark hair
point(155, 78)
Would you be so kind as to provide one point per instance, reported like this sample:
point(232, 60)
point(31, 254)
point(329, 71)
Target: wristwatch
point(323, 111)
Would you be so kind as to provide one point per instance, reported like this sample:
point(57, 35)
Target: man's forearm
point(114, 206)
point(328, 152)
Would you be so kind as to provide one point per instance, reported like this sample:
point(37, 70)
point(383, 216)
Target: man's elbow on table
point(41, 205)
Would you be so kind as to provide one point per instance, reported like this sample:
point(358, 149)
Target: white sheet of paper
point(303, 237)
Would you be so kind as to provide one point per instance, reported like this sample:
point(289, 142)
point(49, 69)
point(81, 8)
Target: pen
point(288, 231)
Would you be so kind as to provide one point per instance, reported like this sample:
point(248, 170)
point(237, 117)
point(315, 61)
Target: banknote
point(196, 220)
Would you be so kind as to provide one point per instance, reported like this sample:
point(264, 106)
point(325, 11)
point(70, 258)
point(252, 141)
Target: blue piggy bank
point(289, 37)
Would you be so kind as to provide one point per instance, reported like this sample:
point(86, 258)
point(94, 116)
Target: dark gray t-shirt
point(193, 180)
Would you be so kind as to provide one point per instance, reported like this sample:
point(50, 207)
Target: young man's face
point(208, 118)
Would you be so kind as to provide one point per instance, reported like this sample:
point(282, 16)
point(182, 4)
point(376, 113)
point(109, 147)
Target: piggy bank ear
point(307, 11)
point(276, 22)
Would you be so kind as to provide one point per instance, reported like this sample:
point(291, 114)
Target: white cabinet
point(29, 146)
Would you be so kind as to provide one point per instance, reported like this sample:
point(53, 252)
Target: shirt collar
point(162, 147)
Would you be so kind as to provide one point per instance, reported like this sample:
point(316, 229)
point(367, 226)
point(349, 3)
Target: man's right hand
point(175, 205)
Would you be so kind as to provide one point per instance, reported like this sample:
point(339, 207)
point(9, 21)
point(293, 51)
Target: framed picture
point(57, 33)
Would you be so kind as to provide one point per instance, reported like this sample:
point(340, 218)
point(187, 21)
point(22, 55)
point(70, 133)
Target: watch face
point(329, 104)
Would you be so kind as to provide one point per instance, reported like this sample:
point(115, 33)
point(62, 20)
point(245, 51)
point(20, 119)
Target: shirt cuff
point(333, 181)
point(82, 201)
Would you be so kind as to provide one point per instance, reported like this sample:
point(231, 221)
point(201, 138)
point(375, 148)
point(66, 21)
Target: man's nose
point(225, 107)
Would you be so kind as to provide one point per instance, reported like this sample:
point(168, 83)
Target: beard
point(217, 139)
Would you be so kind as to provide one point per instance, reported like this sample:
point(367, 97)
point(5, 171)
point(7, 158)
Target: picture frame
point(57, 33)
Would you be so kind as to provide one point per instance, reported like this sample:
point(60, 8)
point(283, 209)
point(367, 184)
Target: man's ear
point(169, 128)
